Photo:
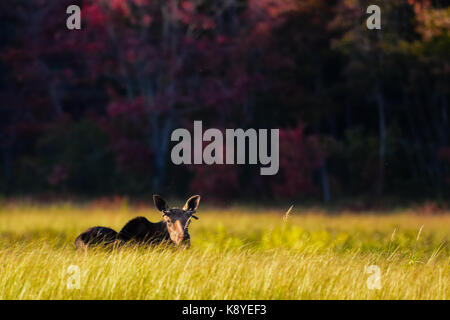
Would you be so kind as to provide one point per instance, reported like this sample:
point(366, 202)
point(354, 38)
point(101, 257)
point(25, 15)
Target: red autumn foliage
point(217, 182)
point(299, 158)
point(142, 68)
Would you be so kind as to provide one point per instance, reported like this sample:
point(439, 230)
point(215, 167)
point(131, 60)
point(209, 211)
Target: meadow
point(239, 252)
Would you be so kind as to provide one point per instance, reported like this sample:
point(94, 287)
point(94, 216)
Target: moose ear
point(192, 203)
point(160, 203)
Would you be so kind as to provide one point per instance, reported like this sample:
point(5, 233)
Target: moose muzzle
point(178, 234)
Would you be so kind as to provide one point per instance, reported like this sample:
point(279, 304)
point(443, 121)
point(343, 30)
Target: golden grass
point(237, 253)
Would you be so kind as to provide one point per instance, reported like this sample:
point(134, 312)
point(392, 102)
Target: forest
point(361, 113)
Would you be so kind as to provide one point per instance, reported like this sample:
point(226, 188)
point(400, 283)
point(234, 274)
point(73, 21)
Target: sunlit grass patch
point(235, 254)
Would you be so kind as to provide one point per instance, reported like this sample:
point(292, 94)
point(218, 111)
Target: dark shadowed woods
point(361, 113)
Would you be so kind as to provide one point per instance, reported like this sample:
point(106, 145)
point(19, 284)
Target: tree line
point(361, 112)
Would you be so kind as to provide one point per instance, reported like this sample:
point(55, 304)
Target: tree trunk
point(324, 180)
point(382, 138)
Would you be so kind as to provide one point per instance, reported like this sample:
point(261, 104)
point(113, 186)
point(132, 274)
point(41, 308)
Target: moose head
point(177, 220)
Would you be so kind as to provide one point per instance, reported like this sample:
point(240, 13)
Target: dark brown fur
point(172, 229)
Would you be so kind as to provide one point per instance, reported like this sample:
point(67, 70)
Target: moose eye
point(167, 219)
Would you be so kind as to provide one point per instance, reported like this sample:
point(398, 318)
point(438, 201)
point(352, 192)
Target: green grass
point(237, 253)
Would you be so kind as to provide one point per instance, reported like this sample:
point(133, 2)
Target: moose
point(172, 229)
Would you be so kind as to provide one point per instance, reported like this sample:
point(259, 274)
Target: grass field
point(236, 253)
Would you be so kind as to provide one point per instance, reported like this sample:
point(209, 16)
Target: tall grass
point(237, 253)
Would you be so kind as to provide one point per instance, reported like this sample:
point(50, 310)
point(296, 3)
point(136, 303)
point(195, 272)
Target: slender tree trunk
point(8, 154)
point(161, 154)
point(382, 138)
point(323, 167)
point(324, 180)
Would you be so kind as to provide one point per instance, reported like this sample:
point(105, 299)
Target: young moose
point(173, 227)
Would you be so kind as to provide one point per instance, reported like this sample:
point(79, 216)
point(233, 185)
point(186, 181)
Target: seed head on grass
point(418, 235)
point(286, 215)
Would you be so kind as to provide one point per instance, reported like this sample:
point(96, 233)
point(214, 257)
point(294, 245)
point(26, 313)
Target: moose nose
point(179, 232)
